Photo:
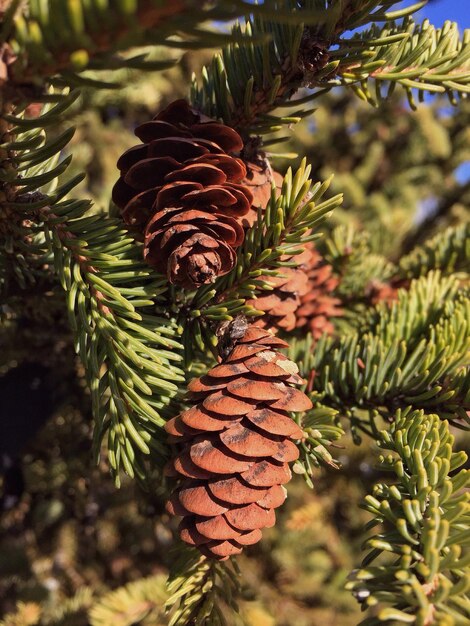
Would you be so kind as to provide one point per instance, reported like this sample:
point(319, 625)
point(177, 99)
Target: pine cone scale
point(222, 549)
point(249, 538)
point(224, 403)
point(255, 389)
point(199, 500)
point(247, 442)
point(215, 457)
point(201, 419)
point(184, 465)
point(150, 173)
point(131, 157)
point(192, 536)
point(228, 370)
point(214, 528)
point(275, 497)
point(149, 131)
point(266, 473)
point(240, 352)
point(178, 148)
point(275, 423)
point(223, 136)
point(251, 517)
point(236, 491)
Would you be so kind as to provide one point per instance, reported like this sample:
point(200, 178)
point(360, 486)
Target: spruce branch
point(28, 160)
point(418, 57)
point(132, 358)
point(416, 568)
point(448, 251)
point(288, 222)
point(202, 592)
point(131, 354)
point(50, 38)
point(414, 353)
point(26, 614)
point(128, 330)
point(247, 83)
point(70, 611)
point(322, 431)
point(361, 271)
point(135, 603)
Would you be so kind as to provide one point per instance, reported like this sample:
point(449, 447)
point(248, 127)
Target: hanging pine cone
point(280, 304)
point(183, 189)
point(234, 445)
point(318, 305)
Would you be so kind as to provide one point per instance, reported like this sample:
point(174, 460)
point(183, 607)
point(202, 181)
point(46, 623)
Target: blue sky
point(440, 10)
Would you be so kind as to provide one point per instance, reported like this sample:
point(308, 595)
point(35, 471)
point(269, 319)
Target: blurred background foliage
point(68, 538)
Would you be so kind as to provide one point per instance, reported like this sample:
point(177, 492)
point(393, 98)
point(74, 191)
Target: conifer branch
point(245, 84)
point(54, 37)
point(26, 614)
point(448, 251)
point(202, 591)
point(405, 364)
point(321, 432)
point(416, 568)
point(414, 353)
point(132, 358)
point(459, 194)
point(139, 600)
point(131, 355)
point(350, 254)
point(417, 57)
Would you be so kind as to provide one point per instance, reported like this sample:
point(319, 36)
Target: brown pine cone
point(259, 181)
point(183, 189)
point(234, 445)
point(318, 306)
point(280, 304)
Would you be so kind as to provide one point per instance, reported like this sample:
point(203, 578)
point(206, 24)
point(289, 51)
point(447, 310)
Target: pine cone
point(182, 189)
point(318, 306)
point(259, 180)
point(280, 304)
point(234, 446)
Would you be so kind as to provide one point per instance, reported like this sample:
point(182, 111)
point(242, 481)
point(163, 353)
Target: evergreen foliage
point(413, 353)
point(394, 372)
point(423, 512)
point(448, 252)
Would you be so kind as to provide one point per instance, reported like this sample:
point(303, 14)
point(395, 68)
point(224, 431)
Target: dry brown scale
point(189, 194)
point(234, 446)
